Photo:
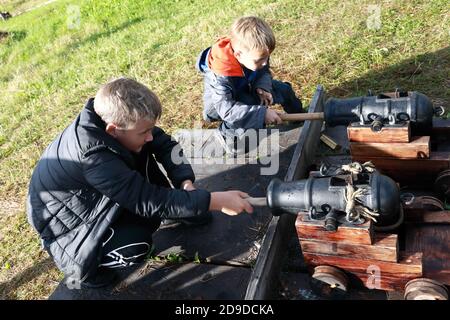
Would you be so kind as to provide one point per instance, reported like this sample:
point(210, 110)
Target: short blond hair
point(125, 101)
point(252, 33)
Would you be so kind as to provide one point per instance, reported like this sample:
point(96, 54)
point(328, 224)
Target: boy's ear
point(237, 54)
point(111, 129)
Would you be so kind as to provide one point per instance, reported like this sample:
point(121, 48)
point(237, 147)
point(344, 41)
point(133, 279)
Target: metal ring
point(323, 169)
point(407, 198)
point(391, 119)
point(403, 116)
point(312, 212)
point(439, 111)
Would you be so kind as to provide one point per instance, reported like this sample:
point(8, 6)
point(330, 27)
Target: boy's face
point(252, 59)
point(135, 138)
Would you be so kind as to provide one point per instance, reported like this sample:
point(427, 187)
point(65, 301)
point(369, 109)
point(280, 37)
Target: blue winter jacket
point(222, 92)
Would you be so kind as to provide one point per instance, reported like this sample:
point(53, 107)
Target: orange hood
point(222, 61)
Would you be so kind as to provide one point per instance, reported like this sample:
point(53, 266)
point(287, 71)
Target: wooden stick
point(257, 202)
point(301, 116)
point(329, 142)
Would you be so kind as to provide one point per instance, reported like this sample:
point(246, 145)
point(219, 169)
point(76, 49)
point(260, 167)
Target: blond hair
point(252, 33)
point(125, 101)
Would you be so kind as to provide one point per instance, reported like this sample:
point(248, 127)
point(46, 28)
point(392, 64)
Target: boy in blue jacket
point(238, 86)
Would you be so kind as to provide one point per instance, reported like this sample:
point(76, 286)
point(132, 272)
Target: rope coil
point(354, 208)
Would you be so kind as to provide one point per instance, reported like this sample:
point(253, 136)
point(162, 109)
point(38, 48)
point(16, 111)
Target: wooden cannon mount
point(408, 159)
point(415, 258)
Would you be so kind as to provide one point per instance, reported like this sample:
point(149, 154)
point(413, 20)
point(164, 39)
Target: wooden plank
point(422, 216)
point(263, 279)
point(384, 248)
point(419, 147)
point(165, 281)
point(314, 229)
point(364, 133)
point(410, 170)
point(409, 265)
point(434, 242)
point(441, 126)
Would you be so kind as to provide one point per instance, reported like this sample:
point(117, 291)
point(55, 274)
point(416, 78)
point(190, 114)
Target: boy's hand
point(265, 97)
point(272, 117)
point(230, 202)
point(187, 185)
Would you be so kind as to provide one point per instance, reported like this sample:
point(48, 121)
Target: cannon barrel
point(391, 107)
point(400, 106)
point(327, 193)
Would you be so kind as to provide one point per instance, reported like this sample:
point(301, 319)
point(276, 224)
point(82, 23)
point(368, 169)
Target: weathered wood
point(384, 248)
point(314, 229)
point(329, 142)
point(164, 281)
point(410, 170)
point(434, 242)
point(419, 147)
point(416, 215)
point(364, 133)
point(441, 126)
point(408, 267)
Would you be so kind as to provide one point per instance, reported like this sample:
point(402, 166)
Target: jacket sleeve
point(264, 79)
point(108, 174)
point(165, 149)
point(235, 113)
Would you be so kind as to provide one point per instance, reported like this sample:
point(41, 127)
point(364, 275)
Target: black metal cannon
point(324, 196)
point(382, 109)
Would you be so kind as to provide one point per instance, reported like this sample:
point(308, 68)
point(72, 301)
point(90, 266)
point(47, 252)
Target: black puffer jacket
point(85, 178)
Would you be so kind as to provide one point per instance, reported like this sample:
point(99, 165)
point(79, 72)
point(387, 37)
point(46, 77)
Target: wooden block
point(434, 242)
point(384, 248)
point(391, 133)
point(419, 147)
point(402, 170)
point(314, 229)
point(408, 267)
point(441, 126)
point(421, 216)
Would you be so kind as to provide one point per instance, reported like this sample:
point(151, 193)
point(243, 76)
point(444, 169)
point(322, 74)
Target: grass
point(58, 54)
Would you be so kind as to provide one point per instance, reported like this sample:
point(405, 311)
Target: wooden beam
point(314, 229)
point(434, 242)
point(364, 133)
point(423, 216)
point(409, 265)
point(441, 126)
point(384, 248)
point(410, 170)
point(419, 147)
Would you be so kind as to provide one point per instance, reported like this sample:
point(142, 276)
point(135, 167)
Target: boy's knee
point(283, 88)
point(284, 94)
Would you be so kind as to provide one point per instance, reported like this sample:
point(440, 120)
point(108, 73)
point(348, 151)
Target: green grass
point(49, 69)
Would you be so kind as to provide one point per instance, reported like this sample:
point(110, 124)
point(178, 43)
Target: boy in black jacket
point(97, 195)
